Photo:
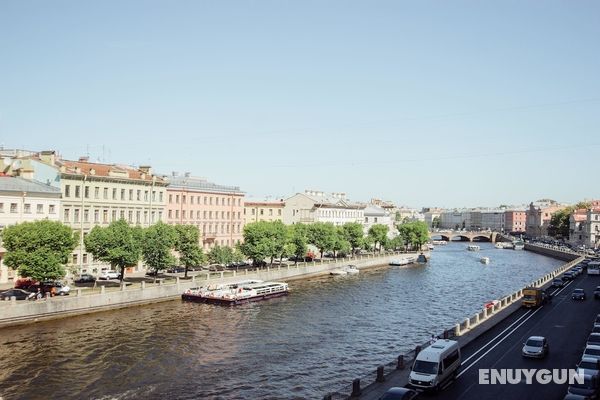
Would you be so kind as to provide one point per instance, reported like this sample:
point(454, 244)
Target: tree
point(353, 233)
point(435, 222)
point(160, 240)
point(38, 250)
point(117, 244)
point(414, 234)
point(277, 234)
point(256, 245)
point(341, 245)
point(379, 233)
point(187, 245)
point(297, 239)
point(322, 236)
point(222, 255)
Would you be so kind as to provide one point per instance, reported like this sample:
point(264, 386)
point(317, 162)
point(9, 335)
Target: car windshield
point(578, 291)
point(588, 365)
point(594, 338)
point(592, 352)
point(534, 343)
point(425, 367)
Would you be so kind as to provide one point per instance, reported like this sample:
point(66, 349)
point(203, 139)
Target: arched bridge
point(467, 236)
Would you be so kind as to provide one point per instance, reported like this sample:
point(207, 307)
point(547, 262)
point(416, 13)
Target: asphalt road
point(566, 323)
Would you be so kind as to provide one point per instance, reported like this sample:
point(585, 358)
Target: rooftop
point(200, 184)
point(20, 185)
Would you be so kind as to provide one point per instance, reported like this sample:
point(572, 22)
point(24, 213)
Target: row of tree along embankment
point(14, 312)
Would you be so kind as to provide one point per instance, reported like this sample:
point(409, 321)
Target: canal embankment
point(397, 371)
point(14, 312)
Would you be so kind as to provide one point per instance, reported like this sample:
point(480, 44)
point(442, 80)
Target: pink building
point(515, 221)
point(217, 210)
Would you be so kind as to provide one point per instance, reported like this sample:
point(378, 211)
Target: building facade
point(538, 217)
point(515, 221)
point(263, 210)
point(216, 210)
point(315, 206)
point(23, 200)
point(376, 215)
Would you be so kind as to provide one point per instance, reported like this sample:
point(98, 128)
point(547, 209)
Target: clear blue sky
point(447, 103)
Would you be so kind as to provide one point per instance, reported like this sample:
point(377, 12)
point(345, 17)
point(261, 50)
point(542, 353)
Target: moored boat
point(518, 245)
point(422, 259)
point(236, 293)
point(351, 269)
point(338, 272)
point(439, 242)
point(473, 247)
point(402, 261)
point(484, 260)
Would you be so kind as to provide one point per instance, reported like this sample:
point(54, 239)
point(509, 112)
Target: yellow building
point(263, 210)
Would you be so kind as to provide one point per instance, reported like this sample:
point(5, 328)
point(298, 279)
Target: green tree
point(341, 246)
point(278, 236)
point(297, 239)
point(187, 245)
point(117, 244)
point(435, 222)
point(378, 234)
point(353, 233)
point(38, 250)
point(222, 255)
point(257, 245)
point(322, 235)
point(414, 234)
point(160, 240)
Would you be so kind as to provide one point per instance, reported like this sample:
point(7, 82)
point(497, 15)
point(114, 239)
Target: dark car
point(152, 273)
point(174, 270)
point(578, 294)
point(567, 276)
point(558, 283)
point(399, 393)
point(85, 278)
point(20, 294)
point(588, 389)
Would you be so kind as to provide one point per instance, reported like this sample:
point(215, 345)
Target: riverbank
point(396, 373)
point(20, 312)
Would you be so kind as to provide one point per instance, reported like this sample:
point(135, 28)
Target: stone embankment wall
point(16, 312)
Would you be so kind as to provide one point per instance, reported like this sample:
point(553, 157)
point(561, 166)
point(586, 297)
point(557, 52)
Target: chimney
point(48, 157)
point(146, 169)
point(84, 159)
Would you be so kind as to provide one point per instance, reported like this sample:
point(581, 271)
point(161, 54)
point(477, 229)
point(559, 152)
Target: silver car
point(535, 347)
point(588, 366)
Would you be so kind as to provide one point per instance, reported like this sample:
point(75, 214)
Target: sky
point(425, 103)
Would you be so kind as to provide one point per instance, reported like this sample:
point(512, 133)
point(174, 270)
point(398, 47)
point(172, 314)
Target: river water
point(327, 332)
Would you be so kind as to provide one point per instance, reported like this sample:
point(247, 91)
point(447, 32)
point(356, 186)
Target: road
point(566, 324)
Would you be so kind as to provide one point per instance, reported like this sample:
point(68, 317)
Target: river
point(327, 332)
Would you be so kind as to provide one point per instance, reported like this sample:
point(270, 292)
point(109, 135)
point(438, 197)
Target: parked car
point(174, 270)
point(399, 393)
point(109, 275)
point(85, 278)
point(593, 339)
point(578, 294)
point(558, 283)
point(567, 276)
point(55, 288)
point(592, 351)
point(597, 292)
point(588, 366)
point(19, 294)
point(586, 390)
point(535, 347)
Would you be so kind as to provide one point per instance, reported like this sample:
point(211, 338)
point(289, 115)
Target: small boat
point(473, 247)
point(402, 261)
point(236, 293)
point(430, 246)
point(439, 242)
point(491, 304)
point(484, 260)
point(351, 269)
point(518, 245)
point(499, 245)
point(338, 272)
point(422, 259)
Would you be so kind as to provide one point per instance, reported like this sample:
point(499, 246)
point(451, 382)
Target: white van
point(435, 365)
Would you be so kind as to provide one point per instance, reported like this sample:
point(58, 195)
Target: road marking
point(500, 341)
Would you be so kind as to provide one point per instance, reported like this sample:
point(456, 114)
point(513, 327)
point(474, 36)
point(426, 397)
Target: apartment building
point(263, 210)
point(22, 200)
point(316, 206)
point(217, 210)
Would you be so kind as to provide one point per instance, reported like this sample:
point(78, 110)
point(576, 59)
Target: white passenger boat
point(351, 269)
point(484, 260)
point(402, 261)
point(473, 247)
point(430, 246)
point(236, 293)
point(439, 242)
point(338, 272)
point(518, 245)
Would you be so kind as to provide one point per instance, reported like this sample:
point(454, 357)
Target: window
point(74, 259)
point(27, 209)
point(176, 199)
point(122, 194)
point(450, 359)
point(66, 215)
point(153, 195)
point(85, 258)
point(160, 196)
point(86, 215)
point(86, 192)
point(130, 194)
point(270, 212)
point(114, 193)
point(105, 193)
point(279, 212)
point(170, 199)
point(76, 215)
point(183, 214)
point(183, 199)
point(210, 215)
point(239, 216)
point(262, 212)
point(204, 214)
point(122, 214)
point(96, 216)
point(210, 201)
point(375, 219)
point(67, 190)
point(139, 195)
point(1, 207)
point(222, 214)
point(153, 216)
point(138, 216)
point(191, 212)
point(170, 213)
point(176, 213)
point(223, 201)
point(204, 200)
point(96, 192)
point(114, 215)
point(145, 217)
point(145, 195)
point(105, 216)
point(191, 199)
point(197, 214)
point(228, 202)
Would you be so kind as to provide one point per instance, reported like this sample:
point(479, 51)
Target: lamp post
point(81, 222)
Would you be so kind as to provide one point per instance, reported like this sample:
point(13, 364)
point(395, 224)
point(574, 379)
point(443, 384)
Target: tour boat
point(236, 293)
point(402, 261)
point(484, 260)
point(473, 247)
point(518, 245)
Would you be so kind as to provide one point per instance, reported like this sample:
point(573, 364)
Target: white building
point(376, 215)
point(22, 200)
point(315, 206)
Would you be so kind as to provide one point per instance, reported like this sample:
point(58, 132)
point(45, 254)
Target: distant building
point(578, 233)
point(376, 215)
point(23, 200)
point(538, 216)
point(315, 206)
point(429, 215)
point(215, 209)
point(263, 210)
point(515, 220)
